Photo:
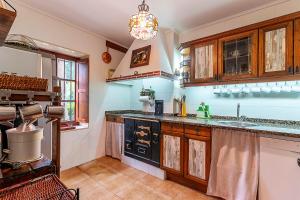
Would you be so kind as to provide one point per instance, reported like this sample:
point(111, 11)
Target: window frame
point(75, 101)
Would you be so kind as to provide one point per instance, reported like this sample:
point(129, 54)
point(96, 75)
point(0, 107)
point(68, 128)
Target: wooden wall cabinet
point(261, 52)
point(204, 62)
point(186, 154)
point(238, 56)
point(297, 46)
point(7, 18)
point(276, 50)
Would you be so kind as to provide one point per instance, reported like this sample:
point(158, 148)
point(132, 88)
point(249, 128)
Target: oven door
point(142, 150)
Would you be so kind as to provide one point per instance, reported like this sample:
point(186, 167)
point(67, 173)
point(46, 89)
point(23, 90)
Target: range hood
point(161, 63)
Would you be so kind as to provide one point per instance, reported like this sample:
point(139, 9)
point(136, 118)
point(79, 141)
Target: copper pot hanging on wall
point(106, 57)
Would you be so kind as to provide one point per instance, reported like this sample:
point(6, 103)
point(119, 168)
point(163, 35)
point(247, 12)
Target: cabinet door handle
point(298, 161)
point(290, 70)
point(297, 69)
point(155, 138)
point(216, 77)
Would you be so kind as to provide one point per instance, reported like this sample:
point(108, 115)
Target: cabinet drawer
point(172, 127)
point(197, 130)
point(117, 119)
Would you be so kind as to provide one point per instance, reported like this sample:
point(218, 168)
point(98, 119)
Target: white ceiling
point(110, 17)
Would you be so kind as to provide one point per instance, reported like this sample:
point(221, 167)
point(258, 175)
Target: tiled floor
point(109, 179)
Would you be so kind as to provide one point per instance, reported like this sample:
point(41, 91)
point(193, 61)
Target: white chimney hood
point(163, 48)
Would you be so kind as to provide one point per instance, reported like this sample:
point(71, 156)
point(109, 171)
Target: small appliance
point(159, 107)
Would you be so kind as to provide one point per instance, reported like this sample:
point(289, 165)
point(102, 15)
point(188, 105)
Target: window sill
point(75, 128)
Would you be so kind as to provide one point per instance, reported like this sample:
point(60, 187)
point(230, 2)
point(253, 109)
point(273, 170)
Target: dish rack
point(43, 188)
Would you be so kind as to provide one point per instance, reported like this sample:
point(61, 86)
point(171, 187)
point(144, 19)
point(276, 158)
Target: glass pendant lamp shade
point(143, 25)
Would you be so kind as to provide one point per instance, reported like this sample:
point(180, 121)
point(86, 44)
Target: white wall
point(283, 106)
point(83, 145)
point(21, 62)
point(276, 9)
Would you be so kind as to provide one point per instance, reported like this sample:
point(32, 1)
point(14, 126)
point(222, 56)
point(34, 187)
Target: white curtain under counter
point(114, 138)
point(234, 165)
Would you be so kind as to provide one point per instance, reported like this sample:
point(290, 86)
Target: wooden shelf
point(7, 18)
point(21, 95)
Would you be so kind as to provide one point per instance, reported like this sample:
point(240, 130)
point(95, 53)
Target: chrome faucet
point(238, 111)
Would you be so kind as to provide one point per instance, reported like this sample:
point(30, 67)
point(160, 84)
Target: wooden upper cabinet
point(204, 62)
point(238, 56)
point(276, 50)
point(297, 46)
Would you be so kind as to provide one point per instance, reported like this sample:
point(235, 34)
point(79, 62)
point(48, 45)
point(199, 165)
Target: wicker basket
point(15, 82)
point(47, 187)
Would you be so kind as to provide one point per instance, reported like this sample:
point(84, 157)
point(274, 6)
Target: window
point(66, 73)
point(72, 75)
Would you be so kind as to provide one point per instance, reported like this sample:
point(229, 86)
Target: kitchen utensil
point(159, 107)
point(296, 87)
point(216, 90)
point(7, 113)
point(54, 111)
point(176, 106)
point(235, 90)
point(256, 89)
point(183, 105)
point(225, 90)
point(106, 57)
point(286, 87)
point(246, 89)
point(276, 88)
point(31, 113)
point(266, 88)
point(24, 143)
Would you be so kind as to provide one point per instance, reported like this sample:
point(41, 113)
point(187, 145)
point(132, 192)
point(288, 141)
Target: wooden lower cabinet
point(186, 156)
point(197, 150)
point(172, 153)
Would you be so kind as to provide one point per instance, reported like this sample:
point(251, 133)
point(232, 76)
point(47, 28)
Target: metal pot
point(24, 143)
point(54, 111)
point(7, 113)
point(32, 112)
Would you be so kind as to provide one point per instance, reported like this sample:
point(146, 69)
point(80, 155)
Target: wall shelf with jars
point(185, 66)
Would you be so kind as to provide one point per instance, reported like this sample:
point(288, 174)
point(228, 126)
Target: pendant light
point(143, 25)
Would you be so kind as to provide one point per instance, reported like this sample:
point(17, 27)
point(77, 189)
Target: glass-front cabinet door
point(276, 50)
point(204, 62)
point(238, 56)
point(297, 46)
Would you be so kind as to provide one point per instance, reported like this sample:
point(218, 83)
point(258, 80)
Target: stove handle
point(141, 150)
point(155, 138)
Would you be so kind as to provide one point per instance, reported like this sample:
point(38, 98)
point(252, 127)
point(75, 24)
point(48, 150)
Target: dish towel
point(234, 165)
point(114, 139)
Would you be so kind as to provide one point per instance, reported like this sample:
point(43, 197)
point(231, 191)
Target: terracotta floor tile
point(109, 179)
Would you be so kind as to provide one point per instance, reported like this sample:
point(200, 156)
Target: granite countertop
point(262, 126)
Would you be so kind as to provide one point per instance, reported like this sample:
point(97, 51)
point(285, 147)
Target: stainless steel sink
point(238, 123)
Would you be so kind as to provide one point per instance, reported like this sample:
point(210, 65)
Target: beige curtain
point(234, 165)
point(114, 139)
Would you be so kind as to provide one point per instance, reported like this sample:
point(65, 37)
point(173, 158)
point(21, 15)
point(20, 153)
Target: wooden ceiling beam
point(116, 46)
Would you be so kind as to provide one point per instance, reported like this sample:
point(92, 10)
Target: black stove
point(142, 140)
